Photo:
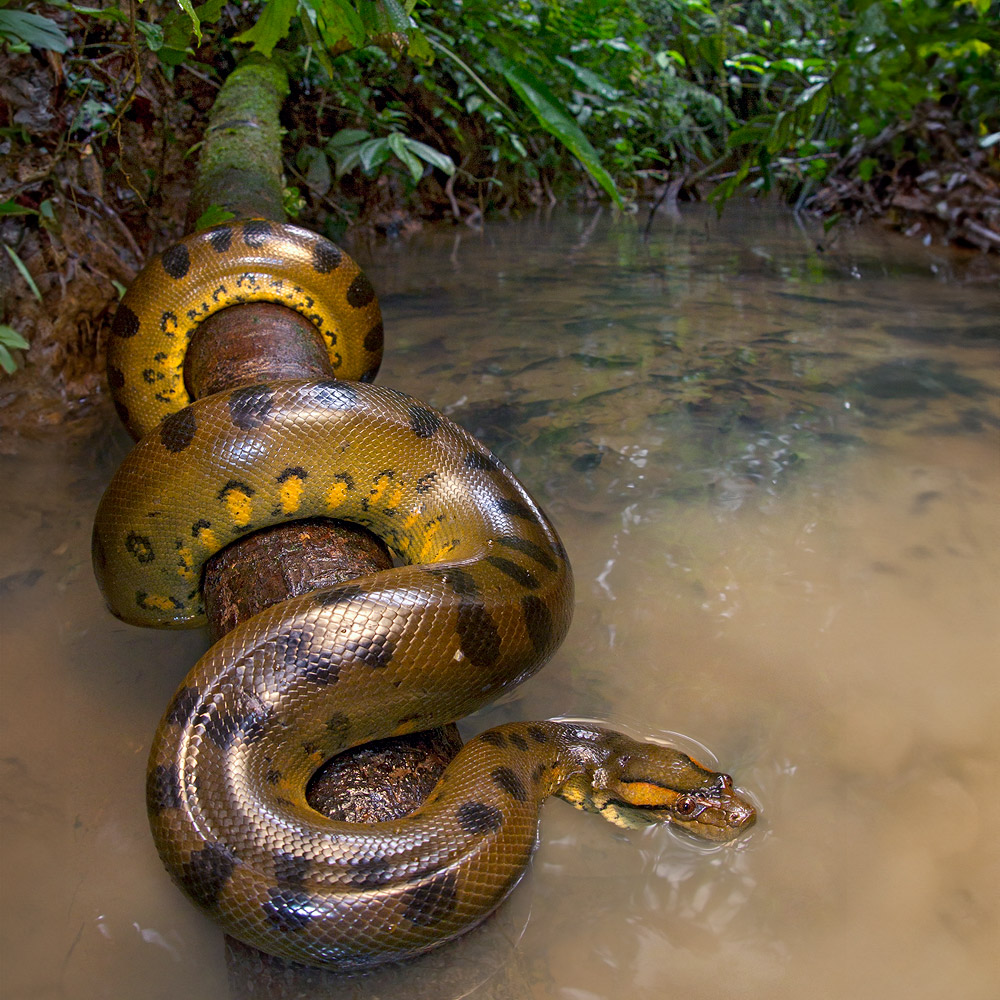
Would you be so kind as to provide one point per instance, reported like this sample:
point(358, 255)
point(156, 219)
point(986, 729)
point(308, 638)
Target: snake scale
point(481, 597)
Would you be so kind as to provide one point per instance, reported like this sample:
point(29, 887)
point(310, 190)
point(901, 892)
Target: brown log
point(246, 345)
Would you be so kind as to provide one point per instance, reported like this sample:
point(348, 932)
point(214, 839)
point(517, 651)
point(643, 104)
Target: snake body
point(482, 598)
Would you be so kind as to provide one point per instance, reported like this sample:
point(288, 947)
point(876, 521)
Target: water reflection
point(776, 471)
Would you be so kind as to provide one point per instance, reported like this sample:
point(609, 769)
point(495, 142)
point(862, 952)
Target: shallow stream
point(774, 459)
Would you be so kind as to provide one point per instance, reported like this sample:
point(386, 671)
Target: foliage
point(21, 29)
point(500, 98)
point(10, 339)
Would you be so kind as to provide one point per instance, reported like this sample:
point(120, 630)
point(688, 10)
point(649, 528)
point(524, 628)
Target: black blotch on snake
point(178, 429)
point(360, 292)
point(221, 238)
point(207, 871)
point(478, 817)
point(505, 779)
point(125, 323)
point(478, 637)
point(163, 788)
point(255, 232)
point(326, 257)
point(176, 261)
point(431, 902)
point(250, 406)
point(288, 910)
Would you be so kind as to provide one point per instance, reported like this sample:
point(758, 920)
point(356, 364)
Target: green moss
point(239, 168)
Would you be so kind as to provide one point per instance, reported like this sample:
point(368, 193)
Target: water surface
point(775, 463)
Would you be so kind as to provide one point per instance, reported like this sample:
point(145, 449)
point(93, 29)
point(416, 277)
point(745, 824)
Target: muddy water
point(776, 469)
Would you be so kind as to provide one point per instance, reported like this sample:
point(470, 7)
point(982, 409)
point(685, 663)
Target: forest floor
point(101, 181)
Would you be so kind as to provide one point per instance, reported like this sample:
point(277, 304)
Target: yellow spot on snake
point(186, 567)
point(207, 538)
point(336, 494)
point(158, 601)
point(427, 549)
point(240, 507)
point(381, 485)
point(644, 793)
point(290, 496)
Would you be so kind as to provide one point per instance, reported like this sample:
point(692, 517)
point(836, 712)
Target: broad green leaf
point(432, 156)
point(153, 33)
point(33, 29)
point(347, 161)
point(346, 137)
point(755, 131)
point(11, 338)
point(555, 119)
point(271, 27)
point(213, 216)
point(339, 24)
point(188, 9)
point(374, 153)
point(593, 82)
point(384, 17)
point(420, 47)
point(397, 143)
point(12, 208)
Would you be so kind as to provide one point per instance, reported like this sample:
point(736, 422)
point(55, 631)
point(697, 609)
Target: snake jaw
point(653, 784)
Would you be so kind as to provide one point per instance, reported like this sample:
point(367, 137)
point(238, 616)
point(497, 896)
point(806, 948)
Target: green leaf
point(339, 24)
point(271, 27)
point(432, 156)
point(419, 48)
point(11, 338)
point(398, 144)
point(556, 120)
point(348, 160)
point(867, 168)
point(12, 208)
point(33, 29)
point(188, 8)
point(591, 80)
point(19, 264)
point(213, 216)
point(384, 17)
point(374, 153)
point(346, 137)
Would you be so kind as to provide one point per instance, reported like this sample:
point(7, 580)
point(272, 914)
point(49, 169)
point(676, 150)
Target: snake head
point(646, 783)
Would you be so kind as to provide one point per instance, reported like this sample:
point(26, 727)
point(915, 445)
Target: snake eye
point(688, 807)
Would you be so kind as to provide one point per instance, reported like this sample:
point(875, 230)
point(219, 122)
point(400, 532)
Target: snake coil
point(482, 599)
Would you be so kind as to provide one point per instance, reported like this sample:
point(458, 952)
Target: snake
point(480, 596)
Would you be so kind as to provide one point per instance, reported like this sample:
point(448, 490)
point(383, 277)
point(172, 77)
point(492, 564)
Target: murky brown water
point(777, 473)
